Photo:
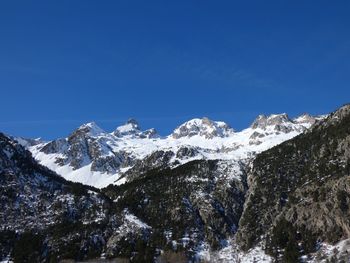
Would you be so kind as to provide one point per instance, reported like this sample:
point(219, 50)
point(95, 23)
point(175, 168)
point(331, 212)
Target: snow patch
point(135, 220)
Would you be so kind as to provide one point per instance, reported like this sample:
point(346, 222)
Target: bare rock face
point(276, 124)
point(262, 121)
point(158, 160)
point(254, 138)
point(259, 122)
point(306, 119)
point(280, 123)
point(109, 164)
point(186, 152)
point(56, 146)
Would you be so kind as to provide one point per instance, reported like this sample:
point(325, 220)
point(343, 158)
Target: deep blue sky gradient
point(63, 63)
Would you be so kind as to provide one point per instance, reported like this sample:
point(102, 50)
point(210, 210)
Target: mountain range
point(277, 191)
point(91, 156)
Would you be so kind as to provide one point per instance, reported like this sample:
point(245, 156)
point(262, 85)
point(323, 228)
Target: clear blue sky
point(63, 63)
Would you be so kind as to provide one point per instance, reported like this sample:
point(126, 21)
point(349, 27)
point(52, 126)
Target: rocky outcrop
point(158, 160)
point(282, 123)
point(186, 152)
point(307, 119)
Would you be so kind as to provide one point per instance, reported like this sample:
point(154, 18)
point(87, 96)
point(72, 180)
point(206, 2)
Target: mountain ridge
point(93, 156)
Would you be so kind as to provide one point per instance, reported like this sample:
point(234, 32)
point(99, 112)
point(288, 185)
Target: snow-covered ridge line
point(95, 157)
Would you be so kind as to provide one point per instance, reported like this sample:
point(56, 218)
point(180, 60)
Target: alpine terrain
point(277, 191)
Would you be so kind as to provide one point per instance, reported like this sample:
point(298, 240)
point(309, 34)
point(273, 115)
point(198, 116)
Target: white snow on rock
point(208, 139)
point(91, 128)
point(130, 127)
point(204, 128)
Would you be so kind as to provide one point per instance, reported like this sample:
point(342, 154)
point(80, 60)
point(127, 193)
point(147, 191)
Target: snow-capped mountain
point(203, 127)
point(44, 218)
point(188, 199)
point(95, 157)
point(33, 197)
point(131, 129)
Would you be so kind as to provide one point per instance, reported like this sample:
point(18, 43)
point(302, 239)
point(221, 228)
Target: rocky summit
point(203, 127)
point(277, 191)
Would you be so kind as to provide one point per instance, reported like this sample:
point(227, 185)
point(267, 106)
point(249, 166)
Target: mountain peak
point(202, 127)
point(131, 127)
point(90, 128)
point(133, 122)
point(305, 118)
point(262, 121)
